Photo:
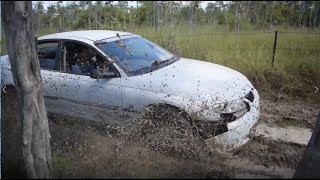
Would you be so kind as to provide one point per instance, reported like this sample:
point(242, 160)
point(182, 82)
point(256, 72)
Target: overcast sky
point(131, 3)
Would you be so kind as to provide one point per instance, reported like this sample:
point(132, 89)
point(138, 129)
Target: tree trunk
point(227, 20)
point(69, 21)
point(89, 23)
point(315, 15)
point(236, 16)
point(60, 27)
point(106, 21)
point(156, 15)
point(166, 14)
point(21, 45)
point(315, 19)
point(116, 20)
point(38, 24)
point(96, 17)
point(271, 15)
point(191, 18)
point(301, 15)
point(238, 20)
point(100, 19)
point(51, 23)
point(124, 20)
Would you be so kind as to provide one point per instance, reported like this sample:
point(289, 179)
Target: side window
point(83, 60)
point(47, 53)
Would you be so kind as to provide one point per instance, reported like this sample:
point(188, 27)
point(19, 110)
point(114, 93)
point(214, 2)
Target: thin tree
point(51, 12)
point(316, 9)
point(236, 15)
point(21, 44)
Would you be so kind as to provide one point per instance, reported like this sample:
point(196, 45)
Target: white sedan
point(121, 69)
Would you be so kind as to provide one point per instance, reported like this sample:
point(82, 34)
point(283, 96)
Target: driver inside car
point(86, 63)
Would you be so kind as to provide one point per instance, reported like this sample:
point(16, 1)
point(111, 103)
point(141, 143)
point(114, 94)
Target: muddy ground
point(137, 149)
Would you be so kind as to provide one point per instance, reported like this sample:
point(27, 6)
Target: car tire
point(168, 130)
point(172, 117)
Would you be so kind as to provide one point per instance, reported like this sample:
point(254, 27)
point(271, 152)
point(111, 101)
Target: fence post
point(274, 46)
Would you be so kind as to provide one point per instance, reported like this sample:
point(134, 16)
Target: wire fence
point(272, 47)
point(277, 46)
point(216, 34)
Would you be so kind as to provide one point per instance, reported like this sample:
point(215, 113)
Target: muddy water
point(289, 113)
point(288, 134)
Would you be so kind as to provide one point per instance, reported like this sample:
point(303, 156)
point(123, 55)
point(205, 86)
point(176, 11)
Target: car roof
point(93, 35)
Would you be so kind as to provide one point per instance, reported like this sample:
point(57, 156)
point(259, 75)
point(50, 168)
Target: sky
point(131, 3)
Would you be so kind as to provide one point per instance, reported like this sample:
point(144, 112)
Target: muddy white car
point(140, 74)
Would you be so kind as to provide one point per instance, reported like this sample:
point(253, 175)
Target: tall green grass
point(244, 51)
point(296, 67)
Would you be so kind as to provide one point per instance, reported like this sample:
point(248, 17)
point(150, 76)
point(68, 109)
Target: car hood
point(194, 79)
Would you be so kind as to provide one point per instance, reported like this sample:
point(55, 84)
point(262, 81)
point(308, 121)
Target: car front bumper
point(239, 131)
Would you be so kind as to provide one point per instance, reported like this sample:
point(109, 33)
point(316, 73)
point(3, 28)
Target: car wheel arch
point(167, 105)
point(7, 85)
point(187, 118)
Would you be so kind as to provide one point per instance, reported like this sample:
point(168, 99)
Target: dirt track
point(113, 148)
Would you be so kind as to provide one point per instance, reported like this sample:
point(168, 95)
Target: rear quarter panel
point(6, 74)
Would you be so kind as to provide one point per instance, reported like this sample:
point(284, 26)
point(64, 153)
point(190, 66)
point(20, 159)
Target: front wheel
point(171, 122)
point(170, 131)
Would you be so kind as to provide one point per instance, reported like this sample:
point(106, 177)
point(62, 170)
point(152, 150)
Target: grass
point(296, 67)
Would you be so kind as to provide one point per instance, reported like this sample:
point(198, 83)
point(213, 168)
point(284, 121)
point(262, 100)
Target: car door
point(85, 89)
point(49, 59)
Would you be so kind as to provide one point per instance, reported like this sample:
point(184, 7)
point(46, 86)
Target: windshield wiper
point(161, 62)
point(173, 57)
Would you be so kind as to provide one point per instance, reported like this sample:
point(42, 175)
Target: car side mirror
point(102, 74)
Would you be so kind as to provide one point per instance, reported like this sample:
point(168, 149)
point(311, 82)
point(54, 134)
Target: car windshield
point(136, 55)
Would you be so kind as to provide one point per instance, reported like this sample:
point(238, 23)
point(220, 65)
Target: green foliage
point(245, 24)
point(257, 14)
point(141, 14)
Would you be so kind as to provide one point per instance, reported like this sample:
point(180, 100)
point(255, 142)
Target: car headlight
point(230, 107)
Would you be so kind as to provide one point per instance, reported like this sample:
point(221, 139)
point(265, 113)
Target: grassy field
point(296, 68)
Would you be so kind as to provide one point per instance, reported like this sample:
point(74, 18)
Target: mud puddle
point(267, 152)
point(284, 113)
